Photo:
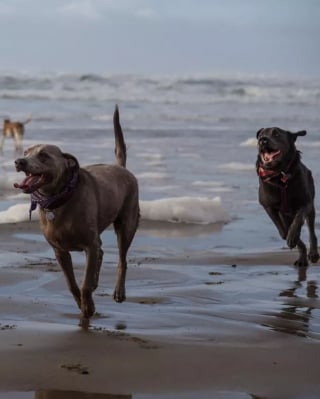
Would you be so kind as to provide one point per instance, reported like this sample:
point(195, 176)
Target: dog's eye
point(275, 133)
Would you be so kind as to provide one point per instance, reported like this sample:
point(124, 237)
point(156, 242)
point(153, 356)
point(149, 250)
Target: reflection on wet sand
point(296, 314)
point(77, 395)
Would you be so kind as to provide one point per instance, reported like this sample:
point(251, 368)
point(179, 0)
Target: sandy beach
point(204, 325)
point(215, 308)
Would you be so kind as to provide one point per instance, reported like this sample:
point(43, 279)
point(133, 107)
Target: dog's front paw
point(119, 294)
point(313, 256)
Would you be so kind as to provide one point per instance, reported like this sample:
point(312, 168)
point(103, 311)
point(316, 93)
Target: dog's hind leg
point(293, 237)
point(125, 227)
point(65, 261)
point(313, 254)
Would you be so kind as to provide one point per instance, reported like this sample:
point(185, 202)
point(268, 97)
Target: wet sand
point(197, 324)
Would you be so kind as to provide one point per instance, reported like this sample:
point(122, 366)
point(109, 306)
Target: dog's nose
point(20, 163)
point(263, 141)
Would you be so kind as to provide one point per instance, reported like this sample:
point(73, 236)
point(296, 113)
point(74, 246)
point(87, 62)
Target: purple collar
point(54, 201)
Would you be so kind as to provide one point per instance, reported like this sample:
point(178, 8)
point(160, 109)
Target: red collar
point(267, 174)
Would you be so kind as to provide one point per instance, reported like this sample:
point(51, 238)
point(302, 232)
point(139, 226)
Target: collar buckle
point(285, 177)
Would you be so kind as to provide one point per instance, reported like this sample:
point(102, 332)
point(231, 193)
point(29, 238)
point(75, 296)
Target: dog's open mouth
point(32, 182)
point(268, 157)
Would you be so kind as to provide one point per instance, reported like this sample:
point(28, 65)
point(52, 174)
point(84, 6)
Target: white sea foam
point(251, 142)
point(102, 118)
point(17, 213)
point(152, 156)
point(152, 159)
point(152, 175)
point(198, 210)
point(234, 166)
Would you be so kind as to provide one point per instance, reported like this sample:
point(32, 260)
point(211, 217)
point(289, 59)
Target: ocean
point(191, 144)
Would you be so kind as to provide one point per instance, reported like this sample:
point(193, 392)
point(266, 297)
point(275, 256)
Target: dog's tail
point(26, 121)
point(120, 149)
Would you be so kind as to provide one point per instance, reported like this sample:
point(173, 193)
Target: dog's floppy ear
point(299, 133)
point(259, 131)
point(72, 161)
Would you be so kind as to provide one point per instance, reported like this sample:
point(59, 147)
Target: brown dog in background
point(76, 205)
point(14, 130)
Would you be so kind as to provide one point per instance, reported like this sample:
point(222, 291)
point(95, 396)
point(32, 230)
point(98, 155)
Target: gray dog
point(77, 205)
point(286, 189)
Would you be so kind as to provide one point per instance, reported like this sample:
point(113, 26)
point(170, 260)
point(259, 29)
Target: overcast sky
point(271, 37)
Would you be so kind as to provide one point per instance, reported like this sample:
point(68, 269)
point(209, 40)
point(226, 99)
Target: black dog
point(286, 189)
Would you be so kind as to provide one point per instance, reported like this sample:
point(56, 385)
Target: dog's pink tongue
point(27, 183)
point(268, 156)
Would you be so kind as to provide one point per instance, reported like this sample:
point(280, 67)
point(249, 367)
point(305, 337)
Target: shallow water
point(188, 137)
point(180, 291)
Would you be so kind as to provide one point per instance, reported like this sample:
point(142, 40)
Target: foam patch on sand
point(17, 213)
point(199, 210)
point(185, 210)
